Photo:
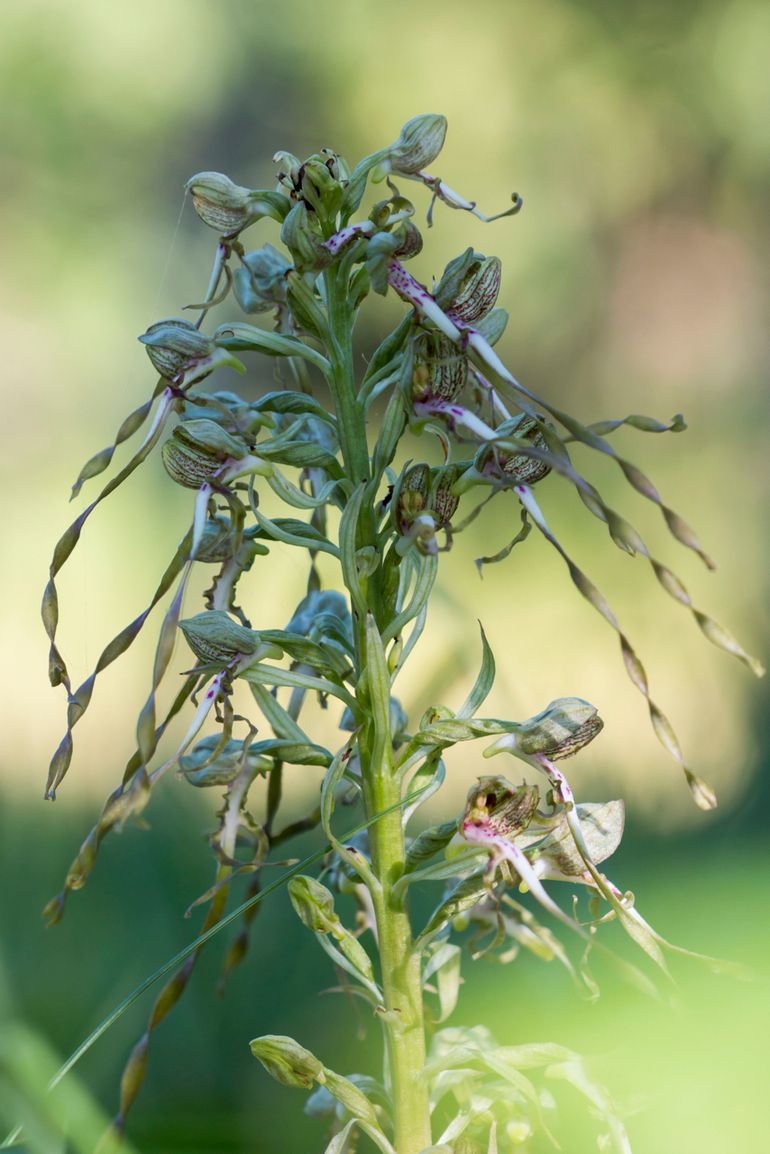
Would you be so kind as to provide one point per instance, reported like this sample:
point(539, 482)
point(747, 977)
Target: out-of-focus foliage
point(48, 1122)
point(636, 135)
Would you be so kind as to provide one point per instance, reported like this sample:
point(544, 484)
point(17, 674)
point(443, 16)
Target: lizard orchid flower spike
point(301, 468)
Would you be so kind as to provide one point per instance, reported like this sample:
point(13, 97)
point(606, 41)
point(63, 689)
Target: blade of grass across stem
point(190, 949)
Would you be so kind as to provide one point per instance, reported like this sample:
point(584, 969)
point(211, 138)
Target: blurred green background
point(636, 281)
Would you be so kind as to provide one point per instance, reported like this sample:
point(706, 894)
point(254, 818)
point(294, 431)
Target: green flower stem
point(400, 964)
point(403, 1018)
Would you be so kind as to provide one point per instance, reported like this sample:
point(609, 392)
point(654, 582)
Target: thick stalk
point(403, 1019)
point(401, 978)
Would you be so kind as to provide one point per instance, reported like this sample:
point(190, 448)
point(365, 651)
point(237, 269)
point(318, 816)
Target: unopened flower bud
point(221, 204)
point(287, 1061)
point(504, 809)
point(561, 730)
point(197, 450)
point(260, 283)
point(218, 544)
point(412, 496)
point(213, 636)
point(289, 167)
point(216, 541)
point(441, 370)
point(319, 182)
point(418, 145)
point(395, 210)
point(304, 239)
point(505, 463)
point(454, 275)
point(175, 346)
point(430, 842)
point(319, 187)
point(443, 502)
point(188, 466)
point(313, 904)
point(380, 214)
point(409, 240)
point(210, 437)
point(322, 613)
point(478, 291)
point(267, 266)
point(229, 207)
point(220, 401)
point(336, 164)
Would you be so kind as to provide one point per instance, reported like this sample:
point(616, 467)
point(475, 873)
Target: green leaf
point(388, 350)
point(290, 531)
point(348, 538)
point(426, 570)
point(300, 455)
point(334, 775)
point(299, 499)
point(391, 430)
point(293, 752)
point(353, 1099)
point(483, 683)
point(428, 843)
point(444, 962)
point(289, 401)
point(339, 1143)
point(314, 905)
point(425, 783)
point(262, 674)
point(350, 955)
point(287, 1061)
point(313, 653)
point(448, 731)
point(377, 681)
point(465, 895)
point(248, 337)
point(454, 867)
point(356, 186)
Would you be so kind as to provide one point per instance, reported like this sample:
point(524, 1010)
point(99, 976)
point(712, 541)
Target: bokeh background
point(636, 281)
